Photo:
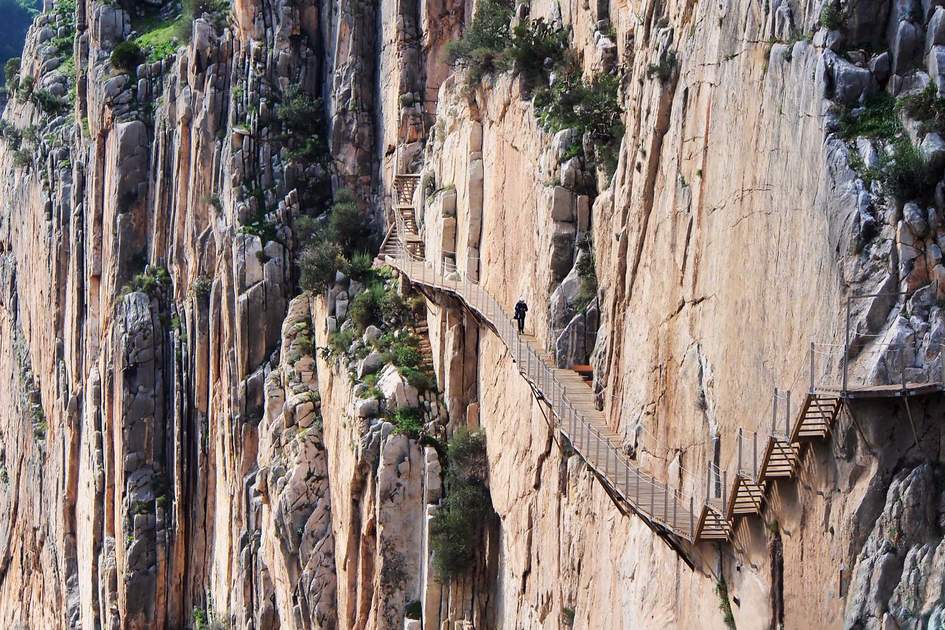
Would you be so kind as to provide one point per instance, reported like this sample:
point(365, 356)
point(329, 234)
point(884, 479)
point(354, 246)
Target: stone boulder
point(845, 82)
point(398, 393)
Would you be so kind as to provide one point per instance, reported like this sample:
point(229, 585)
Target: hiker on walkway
point(520, 309)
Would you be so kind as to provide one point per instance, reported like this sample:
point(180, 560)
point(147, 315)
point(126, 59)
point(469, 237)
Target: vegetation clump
point(332, 244)
point(927, 107)
point(11, 73)
point(455, 531)
point(481, 46)
point(217, 11)
point(664, 68)
point(721, 589)
point(407, 421)
point(900, 168)
point(153, 281)
point(591, 108)
point(126, 56)
point(302, 118)
point(159, 39)
point(537, 49)
point(831, 16)
point(413, 610)
point(877, 120)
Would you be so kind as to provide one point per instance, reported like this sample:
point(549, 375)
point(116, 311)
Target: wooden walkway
point(763, 456)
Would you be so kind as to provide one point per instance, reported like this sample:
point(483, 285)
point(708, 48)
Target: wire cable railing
point(570, 401)
point(575, 415)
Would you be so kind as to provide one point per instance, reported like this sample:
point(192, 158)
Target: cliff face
point(186, 439)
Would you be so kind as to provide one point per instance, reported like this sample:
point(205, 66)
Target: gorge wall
point(189, 440)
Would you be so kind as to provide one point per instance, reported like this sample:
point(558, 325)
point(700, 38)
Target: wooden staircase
point(774, 453)
point(405, 215)
point(712, 526)
point(816, 417)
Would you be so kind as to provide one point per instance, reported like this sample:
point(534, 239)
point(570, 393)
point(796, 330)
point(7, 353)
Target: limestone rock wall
point(174, 446)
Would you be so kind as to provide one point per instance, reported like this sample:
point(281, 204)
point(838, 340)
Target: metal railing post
point(652, 500)
point(754, 457)
point(774, 411)
point(811, 367)
point(636, 498)
point(724, 491)
point(665, 503)
point(626, 479)
point(787, 418)
point(846, 349)
point(692, 519)
point(902, 366)
point(739, 450)
point(708, 482)
point(675, 501)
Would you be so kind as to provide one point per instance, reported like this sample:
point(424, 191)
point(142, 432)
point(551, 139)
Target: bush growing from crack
point(721, 589)
point(831, 17)
point(126, 56)
point(664, 68)
point(332, 243)
point(152, 281)
point(455, 530)
point(407, 421)
point(11, 73)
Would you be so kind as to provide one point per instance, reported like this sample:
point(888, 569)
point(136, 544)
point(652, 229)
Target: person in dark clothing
point(520, 309)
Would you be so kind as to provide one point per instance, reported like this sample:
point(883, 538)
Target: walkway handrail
point(655, 500)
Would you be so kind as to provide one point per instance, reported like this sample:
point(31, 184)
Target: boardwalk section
point(764, 454)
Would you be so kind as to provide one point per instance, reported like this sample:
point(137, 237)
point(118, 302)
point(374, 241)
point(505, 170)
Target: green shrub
point(927, 107)
point(347, 224)
point(407, 421)
point(47, 101)
point(25, 88)
point(40, 426)
point(533, 43)
point(153, 281)
point(572, 103)
point(721, 589)
point(360, 267)
point(588, 275)
point(486, 36)
point(11, 70)
point(300, 112)
point(417, 378)
point(127, 56)
point(567, 616)
point(664, 68)
point(365, 309)
point(403, 355)
point(878, 120)
point(906, 174)
point(413, 610)
point(22, 158)
point(159, 39)
point(202, 286)
point(455, 528)
point(587, 107)
point(318, 264)
point(466, 455)
point(305, 228)
point(831, 17)
point(338, 343)
point(302, 116)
